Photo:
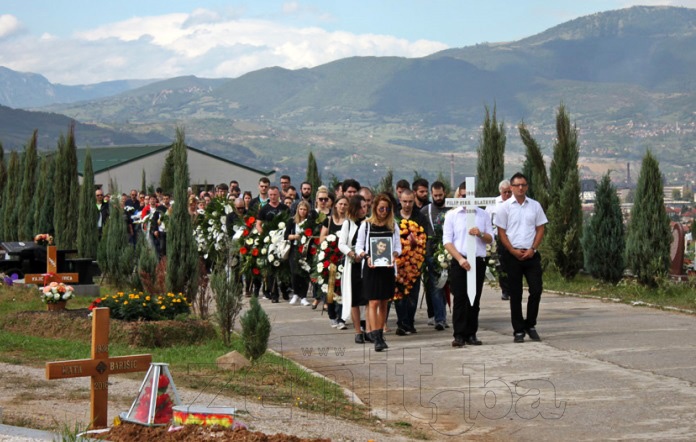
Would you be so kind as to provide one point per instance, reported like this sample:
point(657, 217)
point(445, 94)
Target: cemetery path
point(603, 371)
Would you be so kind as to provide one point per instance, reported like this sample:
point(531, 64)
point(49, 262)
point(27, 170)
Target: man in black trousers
point(521, 221)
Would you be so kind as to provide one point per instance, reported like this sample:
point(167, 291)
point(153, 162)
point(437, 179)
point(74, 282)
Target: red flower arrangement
point(163, 405)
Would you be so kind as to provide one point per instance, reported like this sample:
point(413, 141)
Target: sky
point(87, 41)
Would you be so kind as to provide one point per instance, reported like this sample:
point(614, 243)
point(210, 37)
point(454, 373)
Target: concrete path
point(603, 371)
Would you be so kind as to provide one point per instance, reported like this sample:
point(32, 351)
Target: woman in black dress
point(378, 281)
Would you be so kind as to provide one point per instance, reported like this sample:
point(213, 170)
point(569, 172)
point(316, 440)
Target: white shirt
point(456, 232)
point(520, 221)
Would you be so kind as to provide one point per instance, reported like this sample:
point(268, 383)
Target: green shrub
point(256, 328)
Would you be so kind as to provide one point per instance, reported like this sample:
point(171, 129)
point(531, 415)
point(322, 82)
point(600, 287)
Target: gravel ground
point(28, 399)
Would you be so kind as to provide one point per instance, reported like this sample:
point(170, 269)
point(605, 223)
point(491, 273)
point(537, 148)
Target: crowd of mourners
point(372, 231)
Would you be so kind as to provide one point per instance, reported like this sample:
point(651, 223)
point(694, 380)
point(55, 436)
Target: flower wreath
point(211, 228)
point(409, 263)
point(328, 254)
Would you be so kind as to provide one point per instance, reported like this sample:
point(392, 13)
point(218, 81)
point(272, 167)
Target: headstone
point(470, 202)
point(99, 367)
point(51, 274)
point(676, 250)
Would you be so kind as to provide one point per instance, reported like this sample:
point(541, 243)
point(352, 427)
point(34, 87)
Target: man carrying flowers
point(409, 264)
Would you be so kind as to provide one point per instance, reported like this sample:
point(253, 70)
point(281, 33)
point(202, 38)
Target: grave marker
point(99, 367)
point(51, 271)
point(470, 202)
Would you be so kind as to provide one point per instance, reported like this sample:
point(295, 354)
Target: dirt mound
point(193, 433)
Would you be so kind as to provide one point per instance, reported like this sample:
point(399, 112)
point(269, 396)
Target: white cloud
point(202, 43)
point(9, 25)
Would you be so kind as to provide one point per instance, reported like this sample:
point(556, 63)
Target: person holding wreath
point(378, 282)
point(293, 232)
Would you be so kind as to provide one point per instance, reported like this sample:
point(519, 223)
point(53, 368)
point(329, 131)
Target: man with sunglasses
point(521, 222)
point(505, 194)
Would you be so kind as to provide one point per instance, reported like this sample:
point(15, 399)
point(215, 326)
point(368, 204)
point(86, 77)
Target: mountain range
point(625, 76)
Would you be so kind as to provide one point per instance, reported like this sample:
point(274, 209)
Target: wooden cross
point(99, 367)
point(52, 270)
point(470, 202)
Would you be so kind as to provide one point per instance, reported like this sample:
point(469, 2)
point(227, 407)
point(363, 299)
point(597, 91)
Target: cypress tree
point(313, 176)
point(490, 168)
point(564, 232)
point(167, 176)
point(17, 229)
point(534, 168)
point(648, 240)
point(143, 185)
point(386, 184)
point(87, 230)
point(3, 182)
point(25, 214)
point(441, 178)
point(43, 222)
point(604, 239)
point(182, 252)
point(66, 192)
point(38, 200)
point(115, 254)
point(10, 197)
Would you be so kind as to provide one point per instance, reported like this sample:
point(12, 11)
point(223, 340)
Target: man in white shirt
point(505, 194)
point(521, 222)
point(455, 235)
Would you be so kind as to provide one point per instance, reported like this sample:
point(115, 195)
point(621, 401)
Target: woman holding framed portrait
point(378, 245)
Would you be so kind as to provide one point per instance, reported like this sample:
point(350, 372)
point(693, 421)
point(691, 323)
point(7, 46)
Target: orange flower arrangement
point(410, 262)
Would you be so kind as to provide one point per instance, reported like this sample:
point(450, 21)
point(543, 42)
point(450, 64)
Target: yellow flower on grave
point(147, 298)
point(144, 304)
point(164, 307)
point(125, 302)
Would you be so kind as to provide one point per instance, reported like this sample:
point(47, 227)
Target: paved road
point(603, 371)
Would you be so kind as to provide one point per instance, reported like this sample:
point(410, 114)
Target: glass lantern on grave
point(156, 398)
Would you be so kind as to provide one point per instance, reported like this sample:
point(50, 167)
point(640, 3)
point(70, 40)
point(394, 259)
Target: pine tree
point(564, 232)
point(43, 221)
point(227, 285)
point(182, 253)
point(87, 230)
point(66, 192)
point(9, 198)
point(604, 238)
point(648, 240)
point(534, 168)
point(167, 176)
point(490, 168)
point(313, 176)
point(256, 328)
point(25, 215)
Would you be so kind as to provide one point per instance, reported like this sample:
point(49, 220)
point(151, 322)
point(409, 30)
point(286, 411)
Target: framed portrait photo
point(381, 252)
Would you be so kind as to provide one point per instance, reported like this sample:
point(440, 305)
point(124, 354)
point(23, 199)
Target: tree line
point(42, 194)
